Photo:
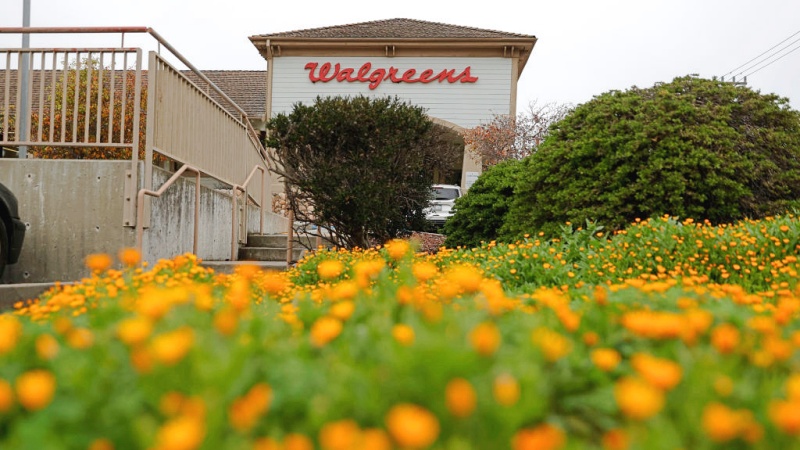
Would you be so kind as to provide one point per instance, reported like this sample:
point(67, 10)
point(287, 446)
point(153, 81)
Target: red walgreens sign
point(366, 74)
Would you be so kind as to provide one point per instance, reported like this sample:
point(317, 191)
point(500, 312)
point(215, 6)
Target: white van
point(441, 207)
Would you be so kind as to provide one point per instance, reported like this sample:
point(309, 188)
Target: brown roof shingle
point(396, 29)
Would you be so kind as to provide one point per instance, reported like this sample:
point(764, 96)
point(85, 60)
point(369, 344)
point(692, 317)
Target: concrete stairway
point(267, 251)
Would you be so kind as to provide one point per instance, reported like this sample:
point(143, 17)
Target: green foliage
point(690, 148)
point(364, 165)
point(480, 213)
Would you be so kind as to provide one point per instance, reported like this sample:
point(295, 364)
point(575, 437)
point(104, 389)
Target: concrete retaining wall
point(74, 208)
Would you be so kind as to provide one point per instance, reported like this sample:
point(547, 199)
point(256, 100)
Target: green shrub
point(690, 148)
point(480, 213)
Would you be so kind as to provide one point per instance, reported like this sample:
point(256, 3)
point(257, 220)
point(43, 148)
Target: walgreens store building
point(462, 76)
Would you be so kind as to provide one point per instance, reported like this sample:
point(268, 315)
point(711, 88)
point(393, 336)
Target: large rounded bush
point(694, 147)
point(480, 213)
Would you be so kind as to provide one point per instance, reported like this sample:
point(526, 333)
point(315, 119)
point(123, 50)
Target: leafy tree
point(481, 212)
point(362, 166)
point(693, 147)
point(114, 108)
point(508, 137)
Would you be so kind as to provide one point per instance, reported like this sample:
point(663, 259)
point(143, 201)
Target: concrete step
point(229, 267)
point(268, 253)
point(279, 241)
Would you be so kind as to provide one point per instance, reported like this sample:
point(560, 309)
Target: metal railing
point(93, 98)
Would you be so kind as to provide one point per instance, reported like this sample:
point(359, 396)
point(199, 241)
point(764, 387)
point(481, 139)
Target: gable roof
point(396, 29)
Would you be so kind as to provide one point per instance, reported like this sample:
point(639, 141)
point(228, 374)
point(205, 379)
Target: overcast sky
point(584, 48)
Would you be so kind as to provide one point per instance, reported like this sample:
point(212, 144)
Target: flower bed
point(667, 335)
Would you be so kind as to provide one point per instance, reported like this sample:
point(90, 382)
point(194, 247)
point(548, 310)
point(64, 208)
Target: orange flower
point(373, 439)
point(225, 321)
point(129, 256)
point(661, 373)
point(403, 334)
point(460, 397)
point(6, 396)
point(542, 437)
point(98, 262)
point(721, 423)
point(296, 441)
point(101, 444)
point(342, 310)
point(412, 426)
point(169, 348)
point(506, 389)
point(10, 331)
point(793, 387)
point(80, 338)
point(35, 389)
point(553, 345)
point(246, 410)
point(324, 330)
point(590, 338)
point(638, 399)
point(46, 347)
point(330, 269)
point(141, 359)
point(340, 435)
point(134, 330)
point(786, 415)
point(181, 433)
point(605, 358)
point(424, 271)
point(467, 278)
point(485, 338)
point(725, 338)
point(397, 248)
point(615, 439)
point(266, 443)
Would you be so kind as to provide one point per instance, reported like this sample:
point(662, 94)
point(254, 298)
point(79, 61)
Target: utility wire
point(763, 60)
point(762, 54)
point(774, 61)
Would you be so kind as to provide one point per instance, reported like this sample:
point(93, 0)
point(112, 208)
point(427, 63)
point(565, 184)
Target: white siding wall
point(465, 104)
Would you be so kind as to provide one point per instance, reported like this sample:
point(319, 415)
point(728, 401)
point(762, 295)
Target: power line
point(769, 57)
point(762, 54)
point(783, 56)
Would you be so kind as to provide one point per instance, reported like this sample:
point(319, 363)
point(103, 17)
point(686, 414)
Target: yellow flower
point(266, 443)
point(412, 426)
point(35, 389)
point(373, 439)
point(638, 399)
point(403, 334)
point(169, 348)
point(330, 269)
point(345, 290)
point(793, 387)
point(460, 397)
point(466, 277)
point(181, 433)
point(98, 262)
point(134, 330)
point(485, 338)
point(397, 248)
point(10, 331)
point(605, 358)
point(661, 373)
point(324, 330)
point(542, 437)
point(506, 390)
